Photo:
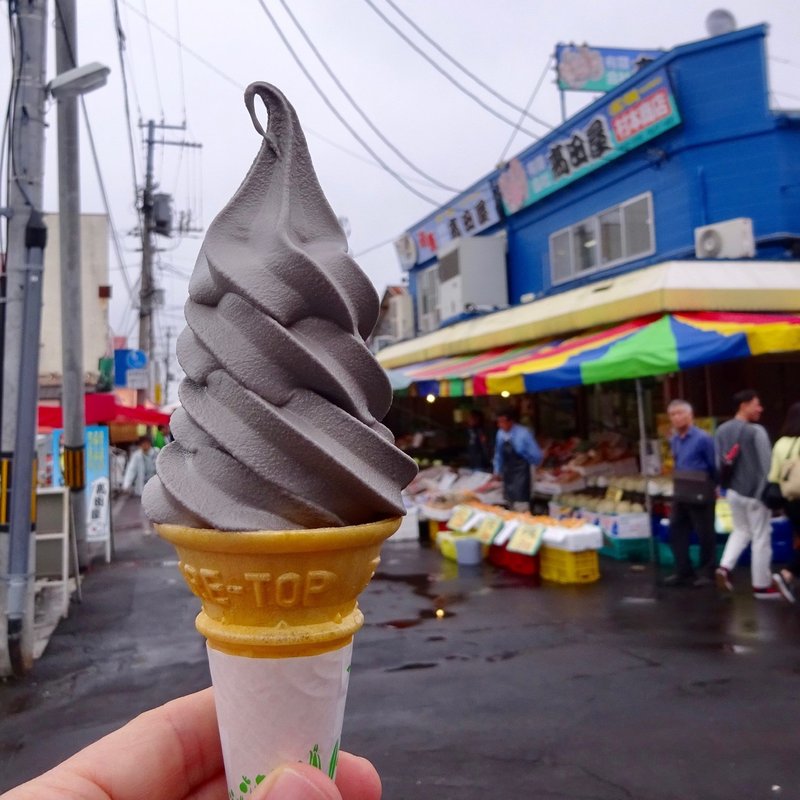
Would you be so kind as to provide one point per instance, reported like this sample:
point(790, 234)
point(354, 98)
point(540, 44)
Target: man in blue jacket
point(692, 507)
point(514, 452)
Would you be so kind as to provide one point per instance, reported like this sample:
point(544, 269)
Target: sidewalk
point(128, 646)
point(512, 690)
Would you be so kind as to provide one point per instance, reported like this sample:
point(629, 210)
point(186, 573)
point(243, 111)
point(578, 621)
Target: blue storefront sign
point(627, 120)
point(597, 69)
point(98, 484)
point(469, 214)
point(125, 361)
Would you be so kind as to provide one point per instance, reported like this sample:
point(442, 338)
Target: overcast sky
point(507, 44)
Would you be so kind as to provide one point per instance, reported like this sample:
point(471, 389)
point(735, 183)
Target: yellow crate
point(435, 528)
point(562, 566)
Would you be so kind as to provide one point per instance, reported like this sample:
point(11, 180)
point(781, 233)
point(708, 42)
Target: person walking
point(787, 449)
point(141, 467)
point(694, 498)
point(514, 452)
point(744, 452)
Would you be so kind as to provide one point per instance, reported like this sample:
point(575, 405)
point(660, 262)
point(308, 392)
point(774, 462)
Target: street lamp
point(78, 81)
point(71, 83)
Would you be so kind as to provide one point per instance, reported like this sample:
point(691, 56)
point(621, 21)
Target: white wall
point(94, 273)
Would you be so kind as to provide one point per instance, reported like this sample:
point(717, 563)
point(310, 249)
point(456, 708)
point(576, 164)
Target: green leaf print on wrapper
point(248, 786)
point(334, 760)
point(315, 760)
point(245, 787)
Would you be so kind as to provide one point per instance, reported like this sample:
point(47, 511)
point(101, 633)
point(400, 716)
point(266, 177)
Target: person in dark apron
point(514, 453)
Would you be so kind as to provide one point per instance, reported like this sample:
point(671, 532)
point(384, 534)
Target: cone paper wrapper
point(279, 611)
point(274, 711)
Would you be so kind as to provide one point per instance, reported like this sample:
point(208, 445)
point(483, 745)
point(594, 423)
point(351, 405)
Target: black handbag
point(772, 498)
point(693, 486)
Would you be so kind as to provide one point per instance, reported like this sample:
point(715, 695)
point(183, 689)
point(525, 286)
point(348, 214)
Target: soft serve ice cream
point(279, 426)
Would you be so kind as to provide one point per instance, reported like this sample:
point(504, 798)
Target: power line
point(530, 100)
point(131, 149)
point(358, 108)
point(18, 50)
point(336, 113)
point(180, 59)
point(525, 111)
point(238, 86)
point(5, 162)
point(129, 59)
point(374, 247)
point(106, 204)
point(153, 58)
point(447, 75)
point(98, 170)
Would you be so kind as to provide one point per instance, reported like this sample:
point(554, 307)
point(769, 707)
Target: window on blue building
point(613, 236)
point(560, 256)
point(638, 227)
point(584, 241)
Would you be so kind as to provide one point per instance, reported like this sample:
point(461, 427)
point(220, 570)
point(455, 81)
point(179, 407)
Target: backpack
point(789, 475)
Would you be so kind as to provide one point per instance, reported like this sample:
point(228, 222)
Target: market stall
point(614, 383)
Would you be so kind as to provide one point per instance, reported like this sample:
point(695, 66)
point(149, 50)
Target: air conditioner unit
point(428, 318)
point(472, 273)
point(732, 238)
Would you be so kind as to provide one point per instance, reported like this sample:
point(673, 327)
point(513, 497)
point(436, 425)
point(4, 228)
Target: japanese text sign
point(598, 136)
point(597, 69)
point(470, 213)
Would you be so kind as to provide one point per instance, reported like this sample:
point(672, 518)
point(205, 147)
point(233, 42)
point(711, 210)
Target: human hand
point(173, 753)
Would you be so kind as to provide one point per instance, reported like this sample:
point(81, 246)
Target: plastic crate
point(634, 550)
point(434, 526)
point(667, 559)
point(517, 563)
point(562, 566)
point(625, 526)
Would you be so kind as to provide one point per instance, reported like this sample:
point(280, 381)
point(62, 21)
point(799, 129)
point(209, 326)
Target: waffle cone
point(279, 594)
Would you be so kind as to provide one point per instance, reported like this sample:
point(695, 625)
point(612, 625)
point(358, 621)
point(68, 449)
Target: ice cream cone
point(279, 611)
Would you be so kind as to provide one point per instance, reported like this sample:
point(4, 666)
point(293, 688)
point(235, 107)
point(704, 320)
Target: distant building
point(654, 235)
point(95, 296)
point(396, 318)
point(683, 161)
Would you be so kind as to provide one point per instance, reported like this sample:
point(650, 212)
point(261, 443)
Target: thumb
point(297, 782)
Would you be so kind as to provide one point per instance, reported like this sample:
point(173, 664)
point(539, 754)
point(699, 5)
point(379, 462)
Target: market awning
point(671, 287)
point(650, 345)
point(104, 408)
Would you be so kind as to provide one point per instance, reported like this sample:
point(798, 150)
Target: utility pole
point(26, 241)
point(167, 376)
point(146, 284)
point(69, 210)
point(152, 223)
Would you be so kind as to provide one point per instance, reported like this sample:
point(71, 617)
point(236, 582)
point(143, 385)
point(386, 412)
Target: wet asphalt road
point(597, 692)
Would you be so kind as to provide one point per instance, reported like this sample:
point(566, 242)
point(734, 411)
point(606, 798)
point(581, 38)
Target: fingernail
point(285, 783)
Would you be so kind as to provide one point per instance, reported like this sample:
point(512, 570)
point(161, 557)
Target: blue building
point(688, 141)
point(678, 191)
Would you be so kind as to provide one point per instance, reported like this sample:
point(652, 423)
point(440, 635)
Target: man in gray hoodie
point(744, 454)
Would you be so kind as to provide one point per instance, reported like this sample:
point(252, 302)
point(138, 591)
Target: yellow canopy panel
point(755, 286)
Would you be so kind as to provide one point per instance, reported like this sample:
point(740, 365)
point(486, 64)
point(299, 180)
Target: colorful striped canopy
point(652, 345)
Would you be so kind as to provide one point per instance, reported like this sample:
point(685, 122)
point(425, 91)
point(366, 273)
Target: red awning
point(103, 409)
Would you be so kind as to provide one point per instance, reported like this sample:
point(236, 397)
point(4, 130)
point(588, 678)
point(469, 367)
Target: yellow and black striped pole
point(6, 482)
point(75, 467)
point(5, 490)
